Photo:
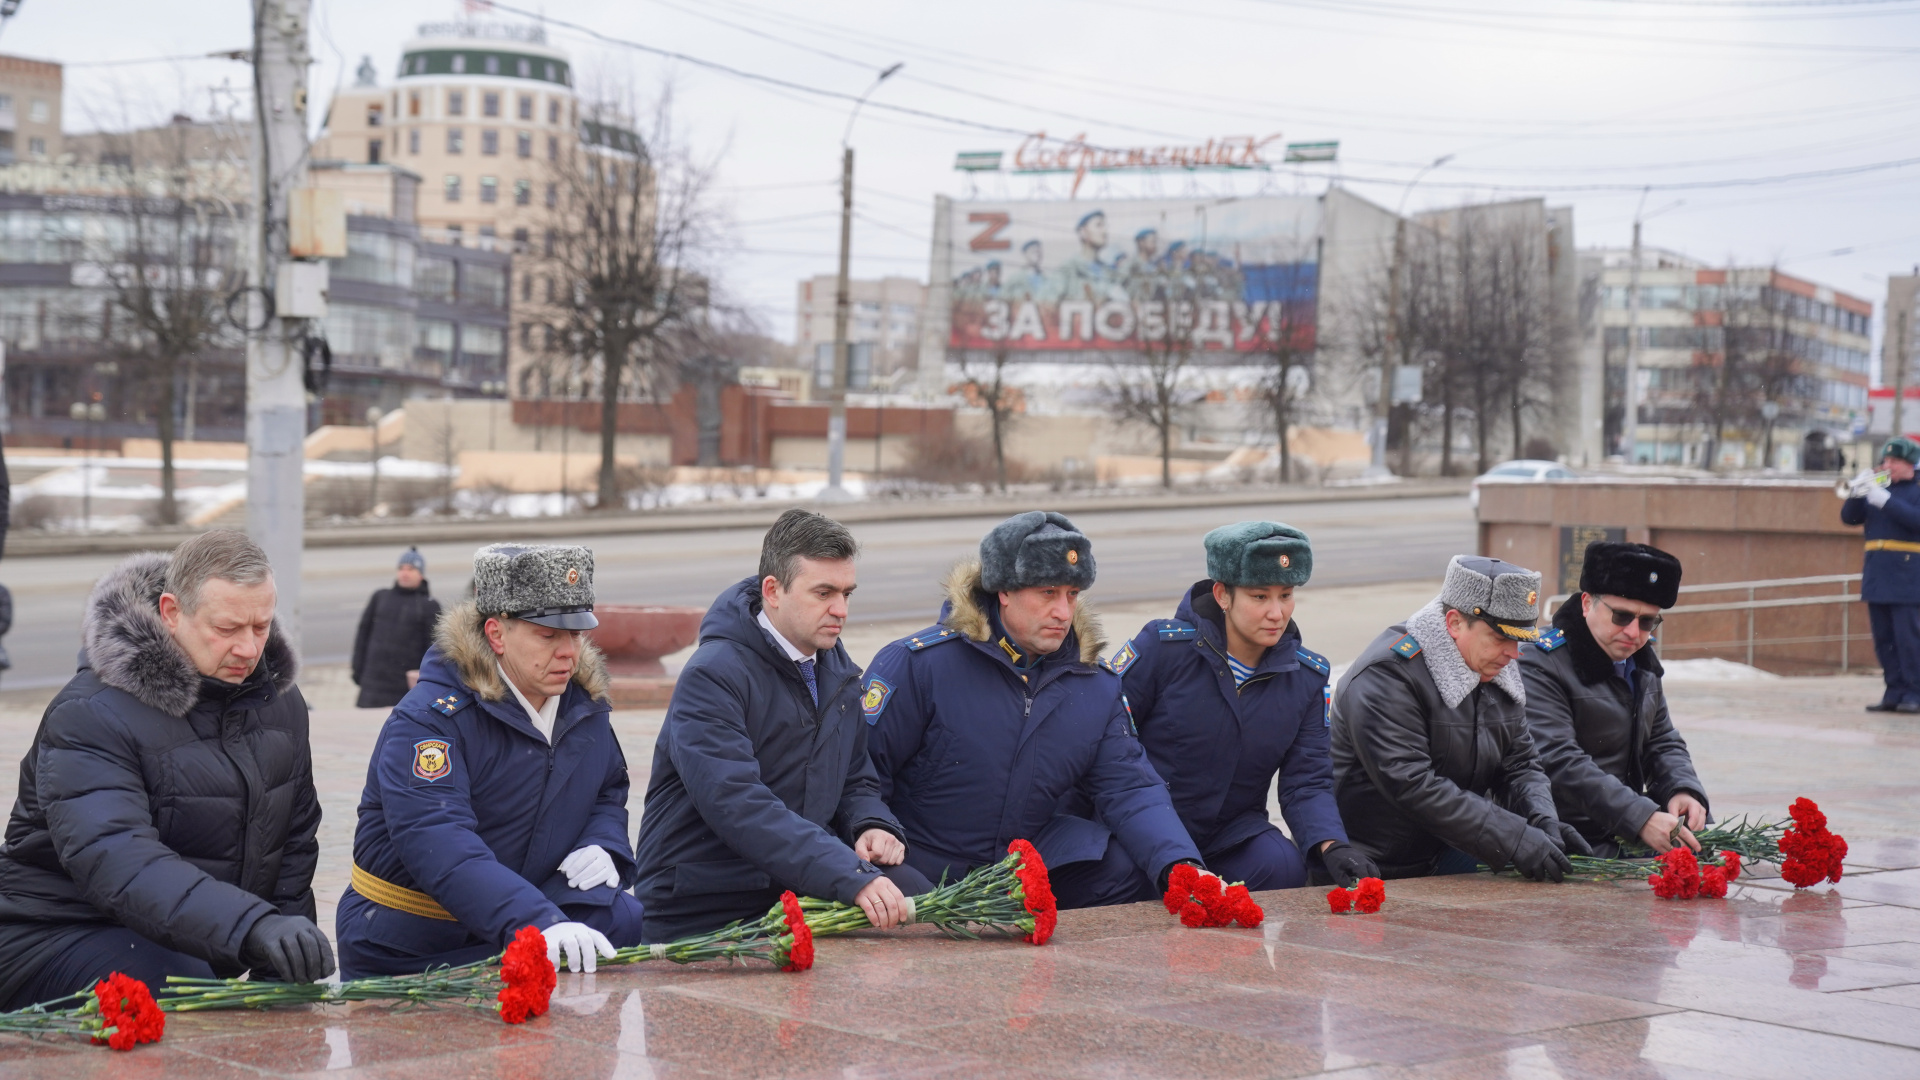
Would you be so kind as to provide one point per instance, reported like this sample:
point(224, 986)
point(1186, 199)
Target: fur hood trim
point(1591, 662)
point(461, 639)
point(1450, 673)
point(129, 648)
point(965, 615)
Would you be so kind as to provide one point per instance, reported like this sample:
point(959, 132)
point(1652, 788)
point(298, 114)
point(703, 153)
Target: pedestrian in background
point(1890, 578)
point(395, 632)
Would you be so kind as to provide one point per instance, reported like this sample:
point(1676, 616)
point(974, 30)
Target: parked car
point(1523, 471)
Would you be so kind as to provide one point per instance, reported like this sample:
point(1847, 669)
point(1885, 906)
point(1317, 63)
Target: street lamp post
point(1394, 329)
point(373, 457)
point(837, 412)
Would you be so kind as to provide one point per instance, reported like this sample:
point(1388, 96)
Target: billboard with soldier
point(1224, 275)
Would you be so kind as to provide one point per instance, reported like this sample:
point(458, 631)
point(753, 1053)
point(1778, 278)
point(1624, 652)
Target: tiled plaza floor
point(1454, 979)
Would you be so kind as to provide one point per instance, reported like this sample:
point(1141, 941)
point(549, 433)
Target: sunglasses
point(1648, 623)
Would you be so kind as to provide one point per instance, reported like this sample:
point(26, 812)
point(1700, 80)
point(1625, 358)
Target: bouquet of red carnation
point(1012, 896)
point(1683, 876)
point(1202, 899)
point(119, 1011)
point(529, 977)
point(1812, 851)
point(1366, 897)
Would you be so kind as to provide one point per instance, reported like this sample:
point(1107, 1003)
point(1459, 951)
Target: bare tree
point(626, 236)
point(1289, 350)
point(1754, 365)
point(984, 379)
point(1151, 386)
point(169, 265)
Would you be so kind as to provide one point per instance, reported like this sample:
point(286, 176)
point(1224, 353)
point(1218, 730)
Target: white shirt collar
point(792, 653)
point(543, 717)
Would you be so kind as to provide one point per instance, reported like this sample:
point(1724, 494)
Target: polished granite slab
point(1456, 978)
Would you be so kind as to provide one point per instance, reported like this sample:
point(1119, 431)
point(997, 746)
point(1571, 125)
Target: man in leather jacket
point(1598, 714)
point(1434, 769)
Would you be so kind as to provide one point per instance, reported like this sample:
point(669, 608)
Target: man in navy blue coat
point(497, 794)
point(1890, 580)
point(1000, 722)
point(1227, 698)
point(761, 780)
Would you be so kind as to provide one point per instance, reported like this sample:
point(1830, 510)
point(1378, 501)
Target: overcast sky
point(1583, 101)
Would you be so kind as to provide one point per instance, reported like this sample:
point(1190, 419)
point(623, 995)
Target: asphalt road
point(1143, 556)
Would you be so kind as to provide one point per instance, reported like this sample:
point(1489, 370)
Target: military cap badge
point(1073, 557)
point(431, 761)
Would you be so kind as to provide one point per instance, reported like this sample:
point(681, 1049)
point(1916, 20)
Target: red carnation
point(1370, 895)
point(1245, 911)
point(1812, 852)
point(1036, 891)
point(128, 1008)
point(1194, 915)
point(1679, 876)
point(1806, 814)
point(1713, 882)
point(800, 953)
point(1730, 864)
point(529, 977)
point(1339, 900)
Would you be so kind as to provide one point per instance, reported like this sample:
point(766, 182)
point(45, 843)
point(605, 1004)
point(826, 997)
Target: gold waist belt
point(387, 894)
point(1892, 545)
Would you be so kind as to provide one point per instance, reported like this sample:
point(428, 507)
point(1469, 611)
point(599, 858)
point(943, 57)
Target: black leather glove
point(290, 947)
point(1539, 858)
point(1561, 835)
point(1347, 864)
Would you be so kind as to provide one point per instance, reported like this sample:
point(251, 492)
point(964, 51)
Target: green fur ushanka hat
point(1251, 554)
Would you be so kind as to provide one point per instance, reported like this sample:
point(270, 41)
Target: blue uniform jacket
point(974, 752)
point(1889, 577)
point(468, 803)
point(1219, 746)
point(753, 784)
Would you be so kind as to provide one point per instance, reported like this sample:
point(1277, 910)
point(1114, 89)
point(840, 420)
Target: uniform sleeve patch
point(1309, 658)
point(1407, 647)
point(879, 692)
point(1123, 659)
point(1175, 630)
point(1550, 639)
point(432, 759)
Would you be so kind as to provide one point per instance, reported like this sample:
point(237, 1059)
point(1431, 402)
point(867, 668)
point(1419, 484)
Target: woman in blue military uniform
point(1227, 698)
point(1890, 581)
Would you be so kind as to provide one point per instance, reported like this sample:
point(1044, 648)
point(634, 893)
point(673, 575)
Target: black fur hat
point(1035, 548)
point(1635, 571)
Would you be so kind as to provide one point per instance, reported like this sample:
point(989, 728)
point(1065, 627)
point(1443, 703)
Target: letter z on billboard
point(1128, 274)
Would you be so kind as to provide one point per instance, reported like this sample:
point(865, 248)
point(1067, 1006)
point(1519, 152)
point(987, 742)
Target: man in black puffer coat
point(166, 816)
point(396, 630)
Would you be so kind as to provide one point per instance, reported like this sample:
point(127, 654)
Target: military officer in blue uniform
point(1890, 581)
point(1001, 722)
point(1227, 698)
point(497, 794)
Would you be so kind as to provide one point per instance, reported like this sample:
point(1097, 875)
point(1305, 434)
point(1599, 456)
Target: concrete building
point(29, 110)
point(883, 325)
point(1739, 367)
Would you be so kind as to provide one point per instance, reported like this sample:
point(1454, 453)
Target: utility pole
point(276, 391)
point(1897, 345)
point(1630, 421)
point(842, 301)
point(1388, 356)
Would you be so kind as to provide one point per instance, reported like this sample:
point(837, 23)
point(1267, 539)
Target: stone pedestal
point(634, 637)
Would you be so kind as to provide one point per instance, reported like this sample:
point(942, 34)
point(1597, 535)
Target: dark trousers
point(1896, 641)
point(673, 918)
point(94, 955)
point(1111, 879)
point(1266, 860)
point(375, 940)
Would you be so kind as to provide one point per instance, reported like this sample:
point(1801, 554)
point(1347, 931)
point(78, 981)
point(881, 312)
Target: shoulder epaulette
point(1175, 630)
point(930, 636)
point(1309, 658)
point(1122, 660)
point(1407, 647)
point(1550, 639)
point(448, 705)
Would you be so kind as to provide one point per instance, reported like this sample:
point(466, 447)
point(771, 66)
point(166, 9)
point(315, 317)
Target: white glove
point(1877, 496)
point(589, 868)
point(580, 941)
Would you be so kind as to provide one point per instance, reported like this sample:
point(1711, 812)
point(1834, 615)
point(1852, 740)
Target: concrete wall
point(1721, 531)
point(806, 452)
point(435, 427)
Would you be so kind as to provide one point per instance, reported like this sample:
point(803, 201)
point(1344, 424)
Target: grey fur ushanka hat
point(1505, 595)
point(1035, 548)
point(541, 583)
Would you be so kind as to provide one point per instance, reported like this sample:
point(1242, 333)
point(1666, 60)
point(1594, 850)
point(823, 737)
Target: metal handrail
point(1750, 605)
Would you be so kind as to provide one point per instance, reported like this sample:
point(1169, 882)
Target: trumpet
point(1857, 486)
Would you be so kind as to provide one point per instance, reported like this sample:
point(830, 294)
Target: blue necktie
point(813, 688)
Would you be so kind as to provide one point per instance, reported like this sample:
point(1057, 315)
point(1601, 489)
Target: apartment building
point(883, 326)
point(29, 110)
